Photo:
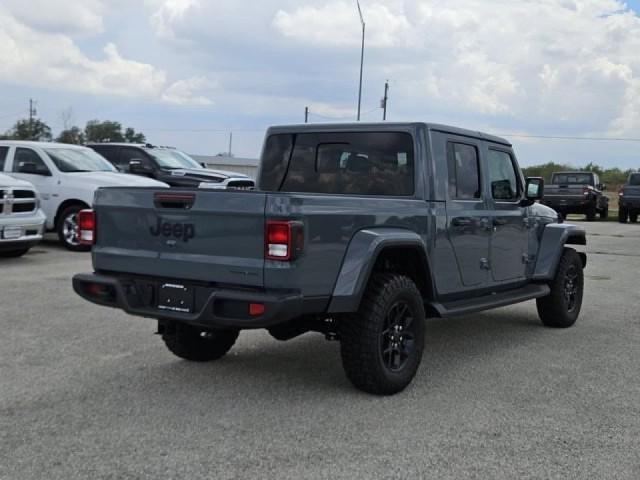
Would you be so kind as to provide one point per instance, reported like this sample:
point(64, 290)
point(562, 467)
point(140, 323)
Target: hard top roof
point(384, 126)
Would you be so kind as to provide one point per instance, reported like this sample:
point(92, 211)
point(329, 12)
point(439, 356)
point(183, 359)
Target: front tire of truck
point(382, 344)
point(560, 309)
point(633, 216)
point(622, 215)
point(591, 214)
point(196, 344)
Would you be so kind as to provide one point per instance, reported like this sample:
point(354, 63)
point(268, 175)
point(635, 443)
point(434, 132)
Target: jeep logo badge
point(181, 231)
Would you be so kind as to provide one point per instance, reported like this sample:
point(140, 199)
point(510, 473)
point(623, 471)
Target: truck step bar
point(494, 300)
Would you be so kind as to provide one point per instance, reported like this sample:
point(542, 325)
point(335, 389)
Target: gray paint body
point(499, 246)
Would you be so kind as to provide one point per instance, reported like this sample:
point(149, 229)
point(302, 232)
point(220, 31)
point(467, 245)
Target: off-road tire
point(604, 213)
point(363, 338)
point(198, 345)
point(622, 215)
point(60, 229)
point(591, 214)
point(560, 309)
point(633, 216)
point(13, 253)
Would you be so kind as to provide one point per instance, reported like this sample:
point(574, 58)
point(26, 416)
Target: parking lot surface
point(89, 392)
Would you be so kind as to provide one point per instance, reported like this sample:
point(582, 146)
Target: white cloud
point(337, 23)
point(59, 16)
point(38, 58)
point(189, 92)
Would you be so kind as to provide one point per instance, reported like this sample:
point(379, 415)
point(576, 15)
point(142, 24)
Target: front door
point(510, 235)
point(467, 216)
point(28, 165)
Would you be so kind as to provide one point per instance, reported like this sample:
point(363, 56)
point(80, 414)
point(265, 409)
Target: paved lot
point(87, 392)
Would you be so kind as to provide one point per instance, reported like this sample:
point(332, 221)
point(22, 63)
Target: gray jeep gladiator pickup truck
point(629, 200)
point(357, 231)
point(577, 192)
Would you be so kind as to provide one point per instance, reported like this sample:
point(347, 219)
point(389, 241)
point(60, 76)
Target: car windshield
point(78, 160)
point(173, 159)
point(572, 179)
point(635, 179)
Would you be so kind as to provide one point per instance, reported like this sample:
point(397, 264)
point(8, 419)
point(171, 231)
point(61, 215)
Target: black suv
point(168, 165)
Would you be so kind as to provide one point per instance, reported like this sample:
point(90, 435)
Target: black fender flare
point(360, 258)
point(554, 237)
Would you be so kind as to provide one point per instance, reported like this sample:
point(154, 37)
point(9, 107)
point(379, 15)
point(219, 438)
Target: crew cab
point(629, 199)
point(169, 165)
point(577, 192)
point(358, 231)
point(66, 178)
point(21, 220)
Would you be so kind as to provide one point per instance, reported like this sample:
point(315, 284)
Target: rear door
point(510, 236)
point(467, 215)
point(188, 235)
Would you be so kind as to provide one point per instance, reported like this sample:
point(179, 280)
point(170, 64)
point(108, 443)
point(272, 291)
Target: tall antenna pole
point(32, 113)
point(385, 99)
point(306, 114)
point(230, 143)
point(361, 58)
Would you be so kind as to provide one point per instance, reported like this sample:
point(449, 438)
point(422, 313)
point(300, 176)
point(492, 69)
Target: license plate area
point(176, 298)
point(11, 233)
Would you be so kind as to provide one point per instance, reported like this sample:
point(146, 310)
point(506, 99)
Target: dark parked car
point(577, 192)
point(358, 231)
point(629, 199)
point(168, 165)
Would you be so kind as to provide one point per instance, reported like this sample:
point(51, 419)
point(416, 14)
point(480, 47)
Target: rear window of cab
point(348, 163)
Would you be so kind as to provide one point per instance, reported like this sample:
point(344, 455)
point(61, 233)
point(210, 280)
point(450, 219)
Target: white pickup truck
point(66, 178)
point(21, 220)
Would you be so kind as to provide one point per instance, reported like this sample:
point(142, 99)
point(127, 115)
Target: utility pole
point(306, 114)
point(32, 114)
point(230, 143)
point(361, 58)
point(385, 100)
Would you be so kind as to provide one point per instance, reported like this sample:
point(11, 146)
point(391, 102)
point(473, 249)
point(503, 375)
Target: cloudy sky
point(186, 72)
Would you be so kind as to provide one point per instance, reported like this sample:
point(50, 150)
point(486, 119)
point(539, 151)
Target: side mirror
point(602, 186)
point(137, 166)
point(534, 190)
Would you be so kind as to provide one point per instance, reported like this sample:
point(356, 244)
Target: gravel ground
point(88, 392)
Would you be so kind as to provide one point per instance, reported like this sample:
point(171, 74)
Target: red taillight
point(87, 227)
point(256, 309)
point(283, 240)
point(585, 190)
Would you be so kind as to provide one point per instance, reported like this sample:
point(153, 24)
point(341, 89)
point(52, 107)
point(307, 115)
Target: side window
point(464, 171)
point(110, 153)
point(127, 154)
point(3, 156)
point(352, 163)
point(502, 176)
point(275, 161)
point(28, 161)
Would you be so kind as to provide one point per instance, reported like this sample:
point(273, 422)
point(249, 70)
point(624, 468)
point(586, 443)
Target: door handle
point(462, 222)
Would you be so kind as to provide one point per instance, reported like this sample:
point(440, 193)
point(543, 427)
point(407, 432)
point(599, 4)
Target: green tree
point(107, 131)
point(131, 136)
point(26, 129)
point(73, 135)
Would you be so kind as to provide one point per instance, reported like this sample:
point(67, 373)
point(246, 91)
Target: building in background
point(248, 166)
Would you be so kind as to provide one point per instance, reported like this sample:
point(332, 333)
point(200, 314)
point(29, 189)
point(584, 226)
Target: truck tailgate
point(204, 235)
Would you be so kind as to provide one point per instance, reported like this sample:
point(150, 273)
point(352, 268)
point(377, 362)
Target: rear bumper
point(214, 307)
point(630, 202)
point(575, 204)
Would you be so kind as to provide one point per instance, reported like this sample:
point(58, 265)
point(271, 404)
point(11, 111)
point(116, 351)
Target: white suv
point(66, 177)
point(21, 220)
